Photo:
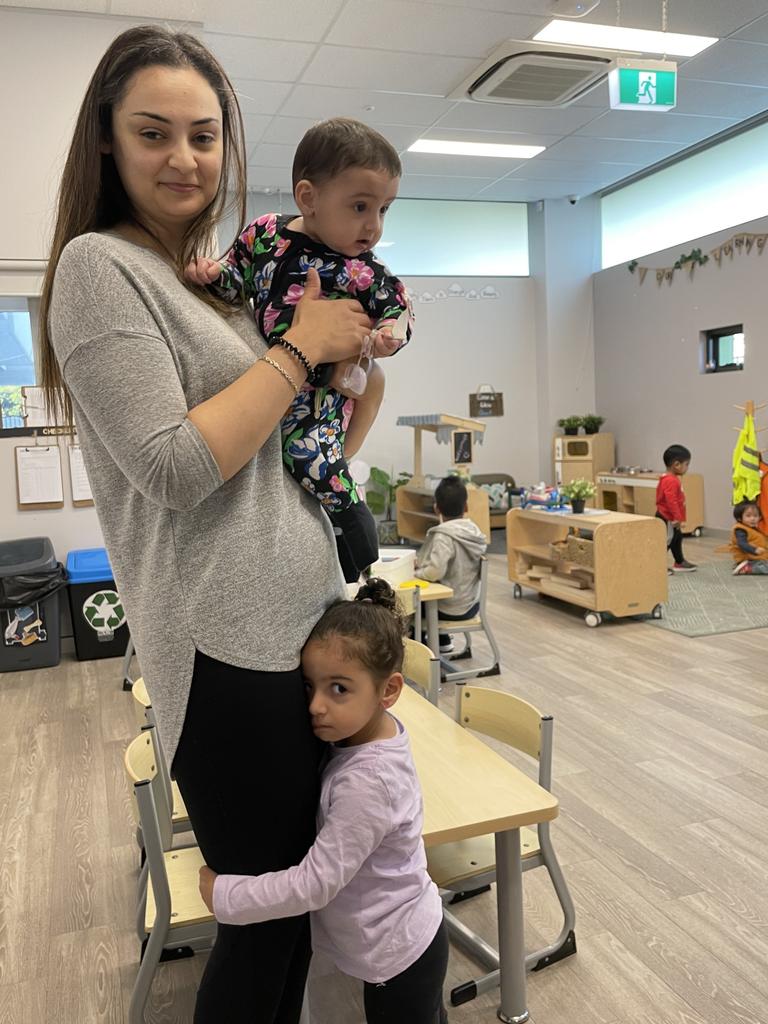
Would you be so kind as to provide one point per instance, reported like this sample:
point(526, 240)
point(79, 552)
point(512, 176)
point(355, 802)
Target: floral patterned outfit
point(268, 265)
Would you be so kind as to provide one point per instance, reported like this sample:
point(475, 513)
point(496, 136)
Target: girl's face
point(345, 702)
point(347, 213)
point(167, 146)
point(751, 516)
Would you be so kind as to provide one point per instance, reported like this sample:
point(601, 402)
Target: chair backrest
point(142, 765)
point(483, 586)
point(409, 603)
point(422, 668)
point(510, 720)
point(141, 702)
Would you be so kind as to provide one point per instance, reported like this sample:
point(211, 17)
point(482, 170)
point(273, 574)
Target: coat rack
point(749, 409)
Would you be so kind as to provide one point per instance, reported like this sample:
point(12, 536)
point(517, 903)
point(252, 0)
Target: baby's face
point(751, 517)
point(348, 211)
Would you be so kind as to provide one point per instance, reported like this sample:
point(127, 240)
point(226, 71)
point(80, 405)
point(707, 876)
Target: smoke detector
point(527, 73)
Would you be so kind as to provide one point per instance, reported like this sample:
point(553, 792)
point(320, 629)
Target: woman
point(222, 562)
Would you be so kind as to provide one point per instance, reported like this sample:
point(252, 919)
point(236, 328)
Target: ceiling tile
point(254, 125)
point(730, 61)
point(612, 150)
point(287, 131)
point(260, 97)
point(641, 124)
point(85, 6)
point(757, 32)
point(535, 7)
point(308, 20)
point(458, 166)
point(427, 28)
point(386, 70)
point(269, 155)
point(172, 10)
point(264, 59)
point(260, 178)
point(574, 171)
point(719, 99)
point(498, 117)
point(699, 17)
point(517, 190)
point(424, 186)
point(319, 102)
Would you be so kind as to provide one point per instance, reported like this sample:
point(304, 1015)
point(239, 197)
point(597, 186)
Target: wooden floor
point(661, 767)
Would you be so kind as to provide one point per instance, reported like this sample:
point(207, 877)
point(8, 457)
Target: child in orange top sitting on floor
point(748, 546)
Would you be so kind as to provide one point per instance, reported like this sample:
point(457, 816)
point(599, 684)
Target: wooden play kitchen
point(605, 562)
point(415, 512)
point(636, 493)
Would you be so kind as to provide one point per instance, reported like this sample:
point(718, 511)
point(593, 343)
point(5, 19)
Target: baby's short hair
point(741, 508)
point(331, 147)
point(676, 453)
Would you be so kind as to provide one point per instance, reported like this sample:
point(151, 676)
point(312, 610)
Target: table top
point(469, 789)
point(432, 591)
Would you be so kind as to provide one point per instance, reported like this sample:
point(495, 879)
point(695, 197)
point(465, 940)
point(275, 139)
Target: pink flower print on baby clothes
point(293, 294)
point(356, 276)
point(269, 222)
point(346, 413)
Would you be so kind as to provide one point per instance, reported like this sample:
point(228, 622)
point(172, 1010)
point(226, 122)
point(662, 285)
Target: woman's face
point(167, 146)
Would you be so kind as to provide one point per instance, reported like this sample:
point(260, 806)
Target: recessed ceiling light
point(613, 37)
point(448, 147)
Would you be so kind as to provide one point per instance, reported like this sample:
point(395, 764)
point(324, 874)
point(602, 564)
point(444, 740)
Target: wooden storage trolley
point(636, 493)
point(628, 556)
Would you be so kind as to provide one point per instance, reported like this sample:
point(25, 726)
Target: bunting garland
point(737, 244)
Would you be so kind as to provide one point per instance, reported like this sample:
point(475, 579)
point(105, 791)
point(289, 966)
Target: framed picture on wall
point(461, 444)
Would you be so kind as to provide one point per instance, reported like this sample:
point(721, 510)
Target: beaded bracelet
point(297, 353)
point(282, 372)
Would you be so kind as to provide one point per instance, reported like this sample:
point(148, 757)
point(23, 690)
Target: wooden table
point(470, 790)
point(431, 594)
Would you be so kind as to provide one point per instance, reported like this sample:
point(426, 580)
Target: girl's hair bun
point(378, 591)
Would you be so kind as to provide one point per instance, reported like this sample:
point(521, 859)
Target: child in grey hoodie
point(451, 555)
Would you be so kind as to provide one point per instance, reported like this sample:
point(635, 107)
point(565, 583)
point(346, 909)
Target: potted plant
point(380, 498)
point(570, 424)
point(592, 423)
point(577, 492)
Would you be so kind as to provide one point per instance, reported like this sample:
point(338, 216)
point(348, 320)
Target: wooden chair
point(173, 918)
point(146, 716)
point(409, 602)
point(422, 669)
point(470, 864)
point(478, 624)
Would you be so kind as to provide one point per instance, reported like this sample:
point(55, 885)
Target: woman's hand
point(327, 331)
point(207, 878)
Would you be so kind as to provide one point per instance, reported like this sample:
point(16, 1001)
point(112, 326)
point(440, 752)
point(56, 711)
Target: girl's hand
point(203, 271)
point(207, 878)
point(327, 332)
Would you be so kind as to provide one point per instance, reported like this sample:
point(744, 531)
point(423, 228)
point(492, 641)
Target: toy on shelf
point(543, 498)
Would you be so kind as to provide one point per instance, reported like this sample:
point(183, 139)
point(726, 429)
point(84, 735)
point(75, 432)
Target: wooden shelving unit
point(636, 494)
point(629, 571)
point(415, 513)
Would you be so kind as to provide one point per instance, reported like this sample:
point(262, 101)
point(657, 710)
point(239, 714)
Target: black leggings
point(247, 767)
point(675, 544)
point(416, 995)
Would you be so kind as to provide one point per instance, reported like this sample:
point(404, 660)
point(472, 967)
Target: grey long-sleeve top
point(239, 570)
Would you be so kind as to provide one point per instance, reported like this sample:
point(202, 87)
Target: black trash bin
point(98, 618)
point(30, 582)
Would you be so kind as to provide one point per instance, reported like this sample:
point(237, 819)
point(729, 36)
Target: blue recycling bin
point(98, 619)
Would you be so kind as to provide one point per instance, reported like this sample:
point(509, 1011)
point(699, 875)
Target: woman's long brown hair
point(91, 195)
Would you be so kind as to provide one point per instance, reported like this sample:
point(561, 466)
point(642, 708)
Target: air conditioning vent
point(536, 74)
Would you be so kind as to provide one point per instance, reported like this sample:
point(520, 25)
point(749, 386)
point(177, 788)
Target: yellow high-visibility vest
point(746, 464)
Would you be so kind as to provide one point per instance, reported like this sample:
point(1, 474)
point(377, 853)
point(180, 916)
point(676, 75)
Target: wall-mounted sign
point(643, 84)
point(486, 402)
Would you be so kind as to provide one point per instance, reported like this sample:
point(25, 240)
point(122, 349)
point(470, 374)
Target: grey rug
point(712, 600)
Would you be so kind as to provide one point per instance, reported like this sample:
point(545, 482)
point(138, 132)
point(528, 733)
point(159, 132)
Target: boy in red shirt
point(670, 503)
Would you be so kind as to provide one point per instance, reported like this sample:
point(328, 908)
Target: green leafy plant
point(592, 423)
point(578, 490)
point(380, 491)
point(570, 422)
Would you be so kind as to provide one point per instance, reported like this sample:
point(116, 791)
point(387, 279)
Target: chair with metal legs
point(471, 863)
point(422, 668)
point(478, 624)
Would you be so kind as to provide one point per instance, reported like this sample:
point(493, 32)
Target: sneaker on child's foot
point(683, 567)
point(738, 569)
point(446, 646)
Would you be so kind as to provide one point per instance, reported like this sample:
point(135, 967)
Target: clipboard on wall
point(38, 477)
point(78, 478)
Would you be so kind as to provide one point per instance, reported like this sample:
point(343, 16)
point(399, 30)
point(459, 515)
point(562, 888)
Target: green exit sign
point(643, 85)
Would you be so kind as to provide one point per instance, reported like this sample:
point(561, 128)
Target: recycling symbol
point(104, 613)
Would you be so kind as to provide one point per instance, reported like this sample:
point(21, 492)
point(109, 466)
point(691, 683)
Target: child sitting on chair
point(451, 555)
point(748, 546)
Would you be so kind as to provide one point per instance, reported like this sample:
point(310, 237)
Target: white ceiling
point(392, 62)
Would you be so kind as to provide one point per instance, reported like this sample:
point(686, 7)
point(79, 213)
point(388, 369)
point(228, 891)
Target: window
point(723, 349)
point(442, 237)
point(709, 191)
point(17, 362)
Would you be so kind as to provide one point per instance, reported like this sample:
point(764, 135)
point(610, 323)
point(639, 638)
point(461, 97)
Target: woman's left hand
point(207, 878)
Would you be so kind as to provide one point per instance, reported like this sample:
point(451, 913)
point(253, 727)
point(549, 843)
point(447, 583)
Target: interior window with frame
point(723, 349)
point(17, 360)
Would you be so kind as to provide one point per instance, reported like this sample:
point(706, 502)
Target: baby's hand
point(384, 344)
point(207, 878)
point(202, 271)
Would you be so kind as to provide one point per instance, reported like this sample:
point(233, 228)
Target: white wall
point(647, 360)
point(458, 344)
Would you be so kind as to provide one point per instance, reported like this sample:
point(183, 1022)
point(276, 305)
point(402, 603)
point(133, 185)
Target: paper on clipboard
point(35, 411)
point(38, 472)
point(81, 487)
